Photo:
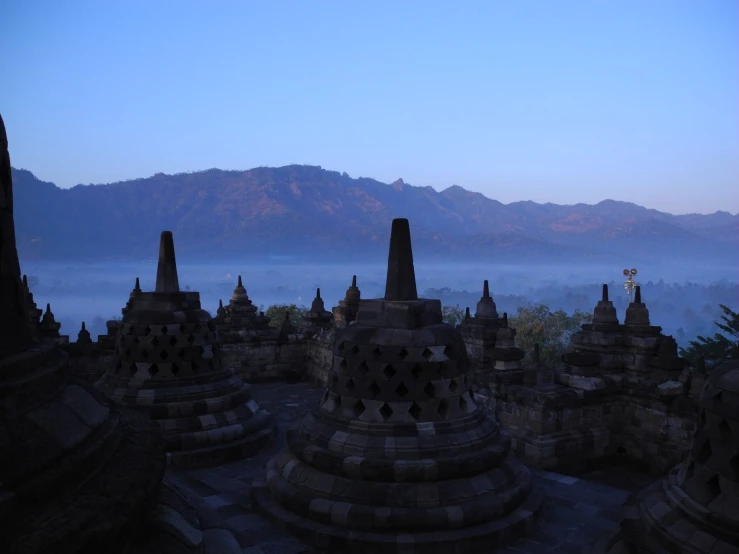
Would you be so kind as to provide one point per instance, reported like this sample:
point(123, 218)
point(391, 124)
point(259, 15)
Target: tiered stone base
point(662, 519)
point(352, 490)
point(181, 522)
point(76, 473)
point(206, 421)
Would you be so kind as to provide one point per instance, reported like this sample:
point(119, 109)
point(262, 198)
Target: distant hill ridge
point(312, 213)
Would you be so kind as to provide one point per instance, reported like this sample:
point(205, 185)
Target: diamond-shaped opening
point(172, 340)
point(147, 331)
point(341, 346)
point(427, 353)
point(377, 352)
point(350, 386)
point(343, 362)
point(144, 354)
point(363, 368)
point(175, 369)
point(724, 430)
point(403, 354)
point(703, 418)
point(153, 369)
point(462, 404)
point(472, 394)
point(163, 355)
point(705, 452)
point(183, 328)
point(448, 351)
point(181, 353)
point(430, 389)
point(386, 411)
point(417, 371)
point(389, 371)
point(337, 404)
point(443, 408)
point(164, 329)
point(118, 366)
point(415, 411)
point(334, 380)
point(127, 354)
point(401, 390)
point(136, 340)
point(358, 408)
point(355, 350)
point(453, 386)
point(155, 341)
point(191, 339)
point(713, 488)
point(374, 389)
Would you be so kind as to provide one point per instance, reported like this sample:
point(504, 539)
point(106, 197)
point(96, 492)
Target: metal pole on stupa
point(630, 284)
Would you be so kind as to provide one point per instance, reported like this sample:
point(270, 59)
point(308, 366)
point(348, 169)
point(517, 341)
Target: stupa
point(695, 508)
point(398, 457)
point(76, 473)
point(167, 361)
point(346, 311)
point(318, 317)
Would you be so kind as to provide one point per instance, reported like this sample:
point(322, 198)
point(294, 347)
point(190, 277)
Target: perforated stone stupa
point(167, 361)
point(398, 457)
point(695, 508)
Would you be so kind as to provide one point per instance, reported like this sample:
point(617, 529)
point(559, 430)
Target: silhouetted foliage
point(276, 313)
point(552, 330)
point(705, 353)
point(453, 315)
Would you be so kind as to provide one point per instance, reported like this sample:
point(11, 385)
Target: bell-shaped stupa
point(398, 457)
point(695, 508)
point(167, 362)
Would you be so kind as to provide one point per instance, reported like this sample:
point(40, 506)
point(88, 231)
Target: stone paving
point(578, 511)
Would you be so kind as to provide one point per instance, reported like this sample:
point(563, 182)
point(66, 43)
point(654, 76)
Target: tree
point(453, 315)
point(276, 313)
point(717, 349)
point(551, 330)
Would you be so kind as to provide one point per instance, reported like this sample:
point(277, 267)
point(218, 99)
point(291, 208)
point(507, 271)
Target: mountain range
point(309, 213)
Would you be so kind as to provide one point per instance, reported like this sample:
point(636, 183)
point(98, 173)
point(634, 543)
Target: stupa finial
point(167, 280)
point(401, 276)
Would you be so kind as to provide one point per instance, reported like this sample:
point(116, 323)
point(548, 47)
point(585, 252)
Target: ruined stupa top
point(167, 280)
point(486, 307)
point(401, 275)
point(637, 313)
point(16, 334)
point(605, 311)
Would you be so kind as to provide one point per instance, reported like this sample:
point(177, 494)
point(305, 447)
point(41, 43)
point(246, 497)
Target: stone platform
point(577, 510)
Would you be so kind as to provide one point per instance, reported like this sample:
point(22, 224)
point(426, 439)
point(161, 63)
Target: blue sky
point(552, 101)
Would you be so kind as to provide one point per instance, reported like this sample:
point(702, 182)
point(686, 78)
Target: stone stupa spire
point(16, 334)
point(167, 280)
point(486, 307)
point(637, 313)
point(605, 311)
point(401, 275)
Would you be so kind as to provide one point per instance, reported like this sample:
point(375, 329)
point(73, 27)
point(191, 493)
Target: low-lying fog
point(683, 298)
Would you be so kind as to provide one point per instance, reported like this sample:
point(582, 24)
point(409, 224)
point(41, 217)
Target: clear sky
point(550, 100)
